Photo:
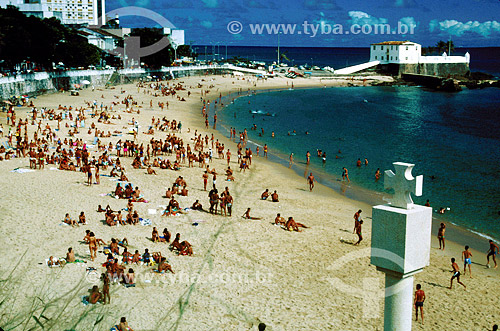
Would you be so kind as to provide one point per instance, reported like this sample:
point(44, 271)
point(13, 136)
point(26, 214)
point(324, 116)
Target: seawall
point(433, 69)
point(46, 82)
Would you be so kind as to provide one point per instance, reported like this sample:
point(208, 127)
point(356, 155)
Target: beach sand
point(243, 272)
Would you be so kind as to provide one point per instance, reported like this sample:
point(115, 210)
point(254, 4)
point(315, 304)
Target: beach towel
point(55, 265)
point(22, 170)
point(6, 145)
point(54, 169)
point(145, 222)
point(85, 300)
point(152, 211)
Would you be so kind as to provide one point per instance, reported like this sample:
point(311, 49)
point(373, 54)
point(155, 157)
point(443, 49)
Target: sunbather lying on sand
point(294, 225)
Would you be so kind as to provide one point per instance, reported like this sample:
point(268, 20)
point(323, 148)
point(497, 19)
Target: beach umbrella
point(84, 82)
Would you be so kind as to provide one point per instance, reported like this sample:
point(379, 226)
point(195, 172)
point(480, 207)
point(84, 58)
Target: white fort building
point(409, 52)
point(405, 57)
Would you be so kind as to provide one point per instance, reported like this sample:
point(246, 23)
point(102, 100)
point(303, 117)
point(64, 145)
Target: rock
point(449, 85)
point(480, 76)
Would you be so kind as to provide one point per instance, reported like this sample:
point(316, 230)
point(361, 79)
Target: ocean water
point(452, 138)
point(484, 59)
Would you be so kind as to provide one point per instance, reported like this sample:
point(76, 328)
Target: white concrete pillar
point(398, 313)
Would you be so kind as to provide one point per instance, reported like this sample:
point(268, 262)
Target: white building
point(99, 37)
point(176, 36)
point(81, 12)
point(402, 52)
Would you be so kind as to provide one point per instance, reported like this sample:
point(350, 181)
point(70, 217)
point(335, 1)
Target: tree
point(74, 51)
point(149, 36)
point(29, 38)
point(185, 50)
point(441, 46)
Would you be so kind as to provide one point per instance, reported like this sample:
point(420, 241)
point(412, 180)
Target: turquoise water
point(453, 140)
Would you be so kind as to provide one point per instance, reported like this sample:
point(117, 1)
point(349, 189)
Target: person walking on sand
point(492, 251)
point(466, 255)
point(291, 160)
point(357, 215)
point(440, 235)
point(311, 180)
point(419, 302)
point(456, 274)
point(358, 232)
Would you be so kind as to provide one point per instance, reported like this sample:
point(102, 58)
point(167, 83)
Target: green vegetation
point(42, 41)
point(164, 57)
point(441, 46)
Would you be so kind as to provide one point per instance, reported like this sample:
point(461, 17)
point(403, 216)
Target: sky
point(324, 23)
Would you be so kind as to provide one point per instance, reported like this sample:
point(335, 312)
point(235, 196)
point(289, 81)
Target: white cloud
point(210, 3)
point(361, 18)
point(433, 24)
point(409, 21)
point(206, 24)
point(456, 28)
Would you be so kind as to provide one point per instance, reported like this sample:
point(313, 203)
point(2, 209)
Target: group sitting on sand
point(290, 225)
point(274, 195)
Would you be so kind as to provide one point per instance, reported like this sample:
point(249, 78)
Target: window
point(375, 57)
point(396, 58)
point(374, 47)
point(407, 58)
point(391, 57)
point(392, 48)
point(407, 49)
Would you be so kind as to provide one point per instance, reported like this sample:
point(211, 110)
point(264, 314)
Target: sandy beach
point(243, 272)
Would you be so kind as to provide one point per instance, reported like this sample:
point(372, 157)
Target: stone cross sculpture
point(403, 184)
point(401, 241)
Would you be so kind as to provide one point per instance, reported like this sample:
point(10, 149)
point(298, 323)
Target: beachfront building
point(99, 37)
point(406, 57)
point(69, 12)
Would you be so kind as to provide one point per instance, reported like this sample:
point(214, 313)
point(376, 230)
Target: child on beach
point(456, 274)
point(492, 251)
point(419, 302)
point(466, 255)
